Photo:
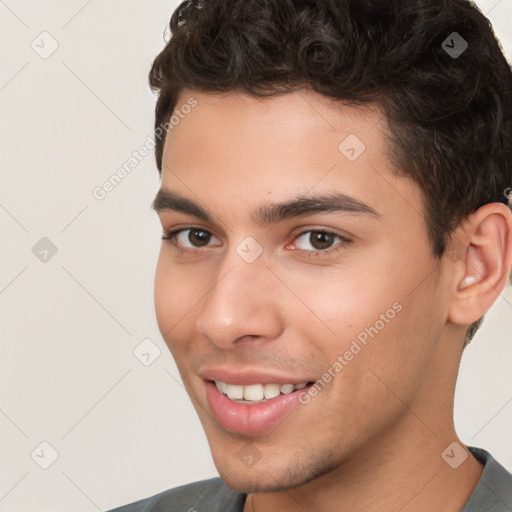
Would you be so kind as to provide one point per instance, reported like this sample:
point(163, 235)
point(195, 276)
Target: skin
point(373, 438)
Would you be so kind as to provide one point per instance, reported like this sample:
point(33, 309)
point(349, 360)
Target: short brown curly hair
point(448, 117)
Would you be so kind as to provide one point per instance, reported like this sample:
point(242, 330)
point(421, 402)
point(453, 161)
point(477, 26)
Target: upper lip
point(248, 377)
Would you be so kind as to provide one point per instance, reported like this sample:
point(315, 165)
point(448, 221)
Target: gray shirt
point(493, 493)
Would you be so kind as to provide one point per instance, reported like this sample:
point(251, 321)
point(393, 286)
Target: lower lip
point(250, 418)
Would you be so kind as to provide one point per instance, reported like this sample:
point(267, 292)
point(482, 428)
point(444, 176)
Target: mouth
point(256, 393)
point(252, 408)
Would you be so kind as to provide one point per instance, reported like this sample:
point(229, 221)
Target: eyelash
point(171, 236)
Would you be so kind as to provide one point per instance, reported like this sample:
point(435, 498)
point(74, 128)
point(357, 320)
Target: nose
point(241, 306)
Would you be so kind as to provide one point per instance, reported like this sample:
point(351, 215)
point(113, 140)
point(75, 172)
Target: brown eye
point(198, 237)
point(317, 241)
point(320, 240)
point(190, 238)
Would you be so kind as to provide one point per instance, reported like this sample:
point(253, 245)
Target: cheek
point(347, 300)
point(175, 297)
point(370, 308)
point(388, 329)
point(164, 295)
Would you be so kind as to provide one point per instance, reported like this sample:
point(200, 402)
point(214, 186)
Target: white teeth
point(253, 392)
point(221, 386)
point(286, 388)
point(235, 392)
point(256, 393)
point(271, 390)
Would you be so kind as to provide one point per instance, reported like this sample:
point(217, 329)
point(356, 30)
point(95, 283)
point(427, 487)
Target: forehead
point(239, 117)
point(273, 148)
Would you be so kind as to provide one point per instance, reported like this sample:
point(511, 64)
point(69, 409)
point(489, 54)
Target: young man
point(335, 177)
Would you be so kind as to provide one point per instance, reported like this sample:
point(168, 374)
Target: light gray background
point(69, 326)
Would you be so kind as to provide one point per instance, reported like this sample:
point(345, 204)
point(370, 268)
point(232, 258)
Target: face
point(296, 290)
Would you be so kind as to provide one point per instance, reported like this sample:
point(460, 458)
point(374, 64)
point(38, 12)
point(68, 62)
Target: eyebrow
point(335, 202)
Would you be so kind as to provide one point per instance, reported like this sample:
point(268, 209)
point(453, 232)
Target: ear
point(481, 251)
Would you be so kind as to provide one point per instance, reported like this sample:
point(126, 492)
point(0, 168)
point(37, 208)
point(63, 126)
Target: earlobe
point(486, 262)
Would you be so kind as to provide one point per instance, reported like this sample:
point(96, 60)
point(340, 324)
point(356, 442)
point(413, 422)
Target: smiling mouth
point(255, 407)
point(256, 393)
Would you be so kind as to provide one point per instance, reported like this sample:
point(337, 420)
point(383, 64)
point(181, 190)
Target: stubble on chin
point(265, 478)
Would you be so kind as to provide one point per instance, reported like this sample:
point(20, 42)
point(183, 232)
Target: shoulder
point(493, 492)
point(191, 498)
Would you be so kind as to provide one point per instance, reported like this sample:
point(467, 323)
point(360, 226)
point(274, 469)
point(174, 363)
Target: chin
point(257, 481)
point(273, 476)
